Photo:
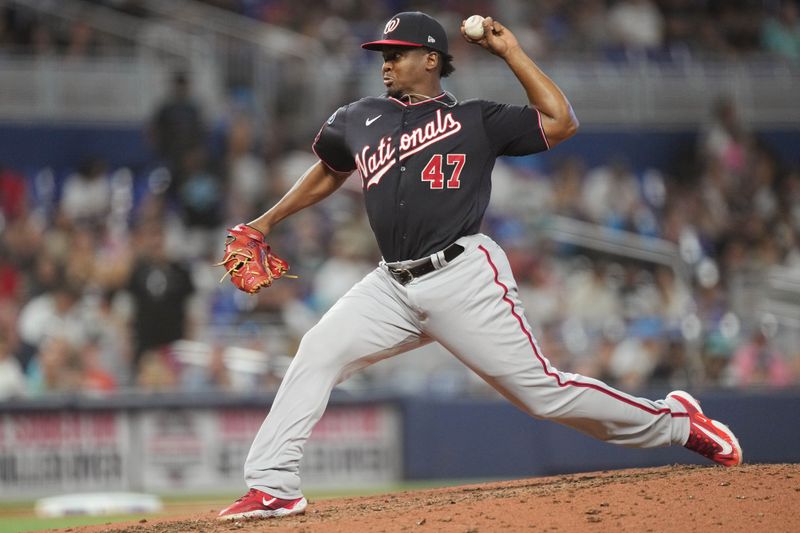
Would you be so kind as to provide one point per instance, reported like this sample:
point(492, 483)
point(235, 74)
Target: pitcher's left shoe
point(257, 504)
point(708, 437)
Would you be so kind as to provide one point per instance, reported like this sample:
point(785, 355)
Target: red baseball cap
point(411, 28)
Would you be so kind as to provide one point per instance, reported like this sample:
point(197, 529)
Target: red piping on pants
point(556, 375)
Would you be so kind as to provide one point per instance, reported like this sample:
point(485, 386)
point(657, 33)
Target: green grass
point(32, 523)
point(17, 517)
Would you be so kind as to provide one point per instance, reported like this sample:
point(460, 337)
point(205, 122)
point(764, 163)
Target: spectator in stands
point(44, 275)
point(638, 294)
point(761, 188)
point(708, 41)
point(567, 182)
point(81, 42)
point(11, 279)
point(80, 260)
point(10, 298)
point(86, 197)
point(346, 264)
point(780, 34)
point(43, 39)
point(13, 195)
point(57, 239)
point(682, 19)
point(588, 24)
point(672, 367)
point(634, 360)
point(740, 24)
point(208, 377)
point(55, 368)
point(109, 331)
point(54, 313)
point(716, 356)
point(725, 137)
point(246, 171)
point(760, 363)
point(201, 200)
point(716, 187)
point(636, 25)
point(161, 288)
point(177, 129)
point(611, 194)
point(674, 297)
point(94, 378)
point(540, 290)
point(156, 371)
point(12, 379)
point(789, 200)
point(590, 298)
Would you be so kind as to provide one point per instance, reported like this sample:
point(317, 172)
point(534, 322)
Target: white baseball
point(473, 27)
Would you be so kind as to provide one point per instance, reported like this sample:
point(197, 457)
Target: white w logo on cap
point(391, 25)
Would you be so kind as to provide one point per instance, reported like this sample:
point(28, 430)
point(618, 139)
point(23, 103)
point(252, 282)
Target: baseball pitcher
point(425, 160)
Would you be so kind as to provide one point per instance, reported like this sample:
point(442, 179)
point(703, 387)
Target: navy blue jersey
point(425, 167)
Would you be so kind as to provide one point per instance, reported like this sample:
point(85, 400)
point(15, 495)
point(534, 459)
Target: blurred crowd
point(732, 210)
point(612, 29)
point(107, 279)
point(107, 276)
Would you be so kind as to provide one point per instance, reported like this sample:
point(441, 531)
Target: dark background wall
point(475, 439)
point(30, 147)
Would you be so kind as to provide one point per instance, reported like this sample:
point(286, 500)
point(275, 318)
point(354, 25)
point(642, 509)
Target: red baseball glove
point(250, 261)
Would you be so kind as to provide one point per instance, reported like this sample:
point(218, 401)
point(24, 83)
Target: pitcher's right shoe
point(708, 437)
point(257, 504)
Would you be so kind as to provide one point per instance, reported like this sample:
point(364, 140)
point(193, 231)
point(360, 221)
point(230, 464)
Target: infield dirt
point(749, 498)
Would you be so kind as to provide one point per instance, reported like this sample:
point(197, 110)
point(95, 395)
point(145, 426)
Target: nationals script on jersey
point(425, 167)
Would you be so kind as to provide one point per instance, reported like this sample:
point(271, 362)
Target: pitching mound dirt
point(668, 499)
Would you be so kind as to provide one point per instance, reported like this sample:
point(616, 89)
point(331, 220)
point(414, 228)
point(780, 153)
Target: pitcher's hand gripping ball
point(473, 27)
point(250, 261)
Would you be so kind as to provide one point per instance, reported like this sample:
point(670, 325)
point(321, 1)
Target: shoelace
point(249, 492)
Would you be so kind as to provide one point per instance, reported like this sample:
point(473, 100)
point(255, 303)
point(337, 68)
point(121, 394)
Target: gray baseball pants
point(470, 306)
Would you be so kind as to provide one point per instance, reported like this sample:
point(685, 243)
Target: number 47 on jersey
point(433, 172)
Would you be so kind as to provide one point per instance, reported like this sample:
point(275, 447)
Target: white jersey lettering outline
point(377, 163)
point(372, 166)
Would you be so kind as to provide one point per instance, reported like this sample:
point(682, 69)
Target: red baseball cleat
point(257, 504)
point(708, 437)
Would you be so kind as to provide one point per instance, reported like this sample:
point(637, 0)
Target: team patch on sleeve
point(332, 118)
point(331, 146)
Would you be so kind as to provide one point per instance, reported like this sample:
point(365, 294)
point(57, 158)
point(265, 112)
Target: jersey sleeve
point(330, 145)
point(513, 129)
